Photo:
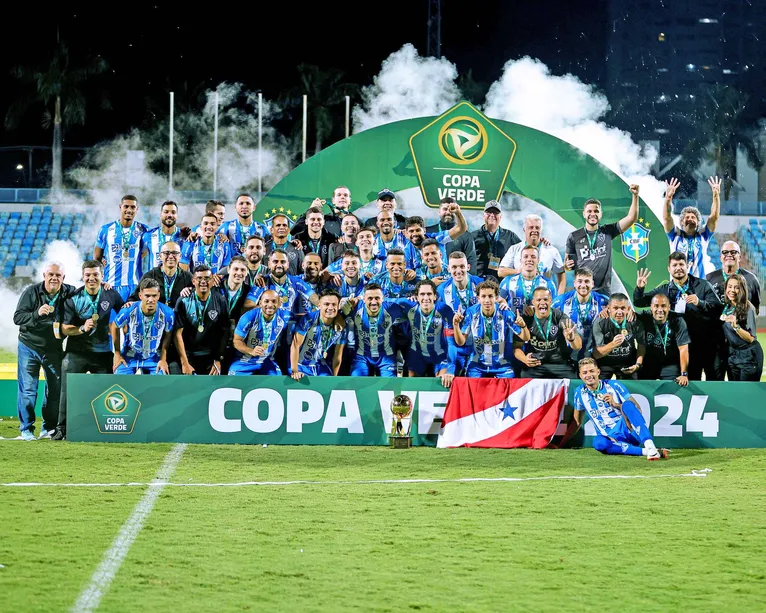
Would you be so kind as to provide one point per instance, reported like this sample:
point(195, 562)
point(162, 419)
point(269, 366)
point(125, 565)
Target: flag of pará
point(502, 412)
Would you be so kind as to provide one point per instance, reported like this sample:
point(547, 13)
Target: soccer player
point(696, 301)
point(583, 306)
point(308, 285)
point(256, 269)
point(202, 327)
point(258, 335)
point(591, 245)
point(38, 314)
point(350, 227)
point(235, 287)
point(553, 337)
point(316, 239)
point(350, 283)
point(371, 333)
point(434, 266)
point(688, 237)
point(429, 325)
point(153, 240)
point(118, 246)
point(617, 342)
point(492, 242)
point(667, 343)
point(87, 314)
point(517, 289)
point(172, 279)
point(730, 259)
point(148, 326)
point(549, 262)
point(369, 265)
point(244, 226)
point(447, 220)
point(280, 233)
point(388, 236)
point(394, 281)
point(315, 337)
point(279, 281)
point(416, 232)
point(620, 427)
point(206, 249)
point(489, 331)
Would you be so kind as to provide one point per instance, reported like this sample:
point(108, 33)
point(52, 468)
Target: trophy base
point(400, 442)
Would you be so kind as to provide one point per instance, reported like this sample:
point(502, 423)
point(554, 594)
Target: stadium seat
point(15, 215)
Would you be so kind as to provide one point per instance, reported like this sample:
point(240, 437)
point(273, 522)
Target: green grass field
point(666, 543)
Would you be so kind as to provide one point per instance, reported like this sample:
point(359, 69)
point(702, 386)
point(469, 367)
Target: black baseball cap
point(386, 193)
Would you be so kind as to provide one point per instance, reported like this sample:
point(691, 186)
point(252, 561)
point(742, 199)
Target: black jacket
point(37, 332)
point(325, 240)
point(183, 280)
point(463, 243)
point(702, 319)
point(331, 224)
point(485, 247)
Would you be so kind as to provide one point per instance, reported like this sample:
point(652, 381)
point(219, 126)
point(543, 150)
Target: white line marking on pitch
point(99, 583)
point(703, 472)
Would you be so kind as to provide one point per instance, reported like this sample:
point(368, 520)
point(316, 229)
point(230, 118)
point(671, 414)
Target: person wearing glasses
point(730, 259)
point(172, 279)
point(491, 243)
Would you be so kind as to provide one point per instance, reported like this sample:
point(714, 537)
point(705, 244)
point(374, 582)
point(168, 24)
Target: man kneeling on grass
point(620, 427)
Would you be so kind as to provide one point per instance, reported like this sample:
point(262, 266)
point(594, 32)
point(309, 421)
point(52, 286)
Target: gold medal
point(200, 328)
point(600, 396)
point(284, 299)
point(94, 317)
point(126, 253)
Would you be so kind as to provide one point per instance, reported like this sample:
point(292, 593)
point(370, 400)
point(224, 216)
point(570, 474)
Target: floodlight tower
point(434, 42)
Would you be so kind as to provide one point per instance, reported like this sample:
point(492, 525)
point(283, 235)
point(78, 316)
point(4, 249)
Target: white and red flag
point(502, 412)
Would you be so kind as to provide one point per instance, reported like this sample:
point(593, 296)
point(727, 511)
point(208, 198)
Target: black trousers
point(200, 363)
point(95, 363)
point(705, 359)
point(746, 364)
point(549, 371)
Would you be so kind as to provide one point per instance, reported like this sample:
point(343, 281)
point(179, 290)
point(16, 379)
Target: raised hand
point(569, 329)
point(642, 277)
point(671, 187)
point(634, 189)
point(715, 185)
point(519, 320)
point(458, 317)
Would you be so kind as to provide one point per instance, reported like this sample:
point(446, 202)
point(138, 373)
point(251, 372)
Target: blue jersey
point(152, 242)
point(518, 291)
point(122, 252)
point(238, 234)
point(583, 316)
point(373, 337)
point(491, 338)
point(432, 335)
point(255, 330)
point(317, 339)
point(393, 290)
point(287, 292)
point(380, 247)
point(455, 298)
point(215, 256)
point(695, 248)
point(306, 290)
point(374, 267)
point(413, 258)
point(606, 419)
point(346, 289)
point(143, 340)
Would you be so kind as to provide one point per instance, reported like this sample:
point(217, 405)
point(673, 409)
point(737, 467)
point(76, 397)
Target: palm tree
point(474, 91)
point(58, 88)
point(326, 91)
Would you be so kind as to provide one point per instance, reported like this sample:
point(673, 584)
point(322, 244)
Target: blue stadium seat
point(15, 215)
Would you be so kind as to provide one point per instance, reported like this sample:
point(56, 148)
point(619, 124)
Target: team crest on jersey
point(104, 305)
point(635, 242)
point(213, 315)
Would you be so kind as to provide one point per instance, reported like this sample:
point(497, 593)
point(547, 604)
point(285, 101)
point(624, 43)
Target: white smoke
point(407, 86)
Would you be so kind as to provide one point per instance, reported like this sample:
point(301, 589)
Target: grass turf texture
point(641, 544)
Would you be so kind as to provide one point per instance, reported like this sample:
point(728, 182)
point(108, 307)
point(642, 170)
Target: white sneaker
point(45, 434)
point(27, 435)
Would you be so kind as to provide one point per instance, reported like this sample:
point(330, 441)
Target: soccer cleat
point(27, 435)
point(660, 454)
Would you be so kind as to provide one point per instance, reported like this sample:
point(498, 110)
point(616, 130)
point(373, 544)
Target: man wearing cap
point(387, 202)
point(464, 242)
point(491, 242)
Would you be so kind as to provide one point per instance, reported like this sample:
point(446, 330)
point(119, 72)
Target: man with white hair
point(549, 259)
point(39, 314)
point(690, 237)
point(730, 258)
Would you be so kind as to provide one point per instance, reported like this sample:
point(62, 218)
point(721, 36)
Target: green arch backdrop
point(499, 156)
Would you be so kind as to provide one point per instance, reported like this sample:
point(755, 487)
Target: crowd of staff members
point(331, 294)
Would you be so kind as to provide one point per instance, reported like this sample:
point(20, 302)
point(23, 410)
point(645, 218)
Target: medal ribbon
point(664, 338)
point(547, 328)
point(487, 325)
point(620, 328)
point(126, 236)
point(94, 303)
point(266, 330)
point(591, 243)
point(169, 282)
point(146, 332)
point(373, 326)
point(207, 254)
point(200, 309)
point(232, 299)
point(584, 310)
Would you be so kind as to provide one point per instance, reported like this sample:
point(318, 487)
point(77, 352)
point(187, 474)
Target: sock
point(650, 447)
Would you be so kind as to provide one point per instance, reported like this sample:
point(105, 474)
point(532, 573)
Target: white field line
point(102, 578)
point(703, 472)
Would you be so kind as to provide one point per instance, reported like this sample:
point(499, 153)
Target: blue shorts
point(478, 371)
point(243, 367)
point(366, 367)
point(134, 366)
point(421, 365)
point(316, 370)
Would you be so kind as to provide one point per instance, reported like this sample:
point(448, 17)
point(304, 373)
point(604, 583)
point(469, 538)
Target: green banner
point(355, 411)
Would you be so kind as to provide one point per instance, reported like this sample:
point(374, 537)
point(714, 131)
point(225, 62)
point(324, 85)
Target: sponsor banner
point(356, 411)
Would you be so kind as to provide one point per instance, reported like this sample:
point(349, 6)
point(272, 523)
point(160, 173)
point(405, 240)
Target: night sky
point(153, 48)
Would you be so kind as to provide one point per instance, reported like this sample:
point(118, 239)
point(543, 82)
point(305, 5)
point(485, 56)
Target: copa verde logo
point(463, 140)
point(116, 411)
point(464, 155)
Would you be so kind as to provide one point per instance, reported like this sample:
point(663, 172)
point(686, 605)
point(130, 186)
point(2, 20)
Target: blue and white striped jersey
point(414, 260)
point(583, 315)
point(346, 290)
point(605, 417)
point(122, 252)
point(518, 291)
point(318, 338)
point(393, 290)
point(454, 298)
point(374, 266)
point(490, 337)
point(305, 289)
point(152, 242)
point(288, 292)
point(373, 337)
point(380, 247)
point(255, 330)
point(695, 248)
point(431, 335)
point(216, 256)
point(143, 340)
point(238, 234)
